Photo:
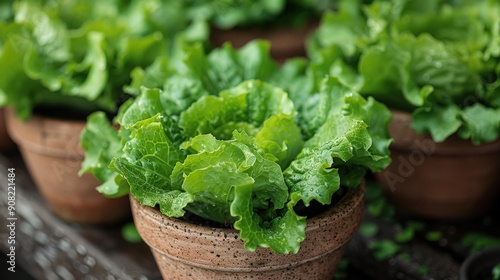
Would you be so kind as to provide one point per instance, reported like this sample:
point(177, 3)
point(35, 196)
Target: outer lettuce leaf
point(349, 136)
point(101, 143)
point(149, 159)
point(283, 234)
point(441, 122)
point(481, 124)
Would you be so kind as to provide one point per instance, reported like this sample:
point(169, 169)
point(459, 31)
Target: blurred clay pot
point(479, 266)
point(285, 42)
point(187, 251)
point(51, 150)
point(451, 180)
point(6, 143)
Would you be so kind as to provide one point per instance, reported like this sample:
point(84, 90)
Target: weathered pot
point(51, 150)
point(186, 251)
point(479, 266)
point(285, 42)
point(451, 180)
point(6, 143)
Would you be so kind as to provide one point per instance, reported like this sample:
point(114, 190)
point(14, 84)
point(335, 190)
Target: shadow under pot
point(450, 180)
point(183, 250)
point(480, 266)
point(51, 151)
point(6, 144)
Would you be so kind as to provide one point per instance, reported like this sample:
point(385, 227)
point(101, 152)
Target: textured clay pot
point(51, 150)
point(451, 180)
point(6, 143)
point(285, 42)
point(479, 266)
point(186, 251)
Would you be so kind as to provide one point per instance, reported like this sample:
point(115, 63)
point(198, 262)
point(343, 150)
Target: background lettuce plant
point(438, 60)
point(227, 14)
point(76, 55)
point(222, 139)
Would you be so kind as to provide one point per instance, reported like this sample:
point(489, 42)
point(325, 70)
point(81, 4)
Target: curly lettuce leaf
point(147, 162)
point(251, 102)
point(440, 122)
point(283, 234)
point(101, 143)
point(232, 183)
point(481, 124)
point(349, 136)
point(201, 176)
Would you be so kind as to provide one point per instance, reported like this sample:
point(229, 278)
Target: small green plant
point(496, 272)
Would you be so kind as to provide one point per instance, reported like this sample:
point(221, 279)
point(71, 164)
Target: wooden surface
point(48, 248)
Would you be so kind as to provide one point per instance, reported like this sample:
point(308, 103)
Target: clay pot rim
point(343, 208)
point(168, 238)
point(453, 145)
point(480, 257)
point(36, 120)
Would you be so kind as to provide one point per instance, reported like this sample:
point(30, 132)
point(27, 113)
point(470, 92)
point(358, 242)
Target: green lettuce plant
point(75, 56)
point(439, 60)
point(221, 138)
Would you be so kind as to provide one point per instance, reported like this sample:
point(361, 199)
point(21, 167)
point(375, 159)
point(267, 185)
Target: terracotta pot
point(6, 143)
point(186, 251)
point(451, 180)
point(285, 42)
point(51, 150)
point(479, 266)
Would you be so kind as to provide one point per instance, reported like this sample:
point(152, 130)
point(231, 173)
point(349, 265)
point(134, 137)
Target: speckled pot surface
point(51, 150)
point(285, 42)
point(451, 180)
point(186, 251)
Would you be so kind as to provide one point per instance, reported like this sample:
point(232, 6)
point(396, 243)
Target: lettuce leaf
point(147, 163)
point(101, 143)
